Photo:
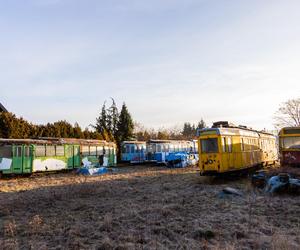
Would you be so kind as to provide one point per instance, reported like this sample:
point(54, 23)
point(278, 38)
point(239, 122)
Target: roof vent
point(222, 124)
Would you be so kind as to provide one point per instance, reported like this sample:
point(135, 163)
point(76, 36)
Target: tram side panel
point(52, 158)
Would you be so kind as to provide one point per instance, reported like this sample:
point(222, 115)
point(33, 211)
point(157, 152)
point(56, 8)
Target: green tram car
point(26, 156)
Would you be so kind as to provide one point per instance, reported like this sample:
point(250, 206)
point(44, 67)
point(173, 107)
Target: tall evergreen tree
point(102, 126)
point(77, 132)
point(113, 118)
point(125, 125)
point(187, 130)
point(201, 124)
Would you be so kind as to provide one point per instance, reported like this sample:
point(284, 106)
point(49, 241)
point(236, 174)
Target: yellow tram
point(226, 148)
point(289, 146)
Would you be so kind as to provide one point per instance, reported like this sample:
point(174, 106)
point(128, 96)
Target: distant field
point(143, 207)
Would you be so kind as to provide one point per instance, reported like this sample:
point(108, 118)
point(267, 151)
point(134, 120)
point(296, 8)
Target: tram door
point(73, 156)
point(227, 157)
point(17, 162)
point(27, 159)
point(76, 156)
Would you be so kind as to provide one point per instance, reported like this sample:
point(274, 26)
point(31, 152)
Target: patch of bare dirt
point(143, 207)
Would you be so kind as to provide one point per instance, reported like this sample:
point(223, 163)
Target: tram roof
point(24, 141)
point(166, 141)
point(233, 131)
point(52, 140)
point(76, 141)
point(134, 142)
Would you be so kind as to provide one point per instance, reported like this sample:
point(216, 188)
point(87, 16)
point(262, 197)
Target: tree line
point(117, 126)
point(111, 125)
point(18, 128)
point(187, 132)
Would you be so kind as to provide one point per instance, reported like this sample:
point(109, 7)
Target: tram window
point(93, 150)
point(50, 150)
point(158, 148)
point(291, 142)
point(242, 144)
point(224, 144)
point(123, 149)
point(132, 149)
point(106, 152)
point(291, 131)
point(229, 145)
point(27, 151)
point(60, 150)
point(209, 145)
point(85, 150)
point(18, 152)
point(5, 151)
point(40, 151)
point(100, 150)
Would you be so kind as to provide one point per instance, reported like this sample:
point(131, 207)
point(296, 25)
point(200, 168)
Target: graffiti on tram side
point(5, 163)
point(49, 165)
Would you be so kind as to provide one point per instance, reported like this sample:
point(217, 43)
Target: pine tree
point(77, 132)
point(201, 124)
point(103, 124)
point(86, 134)
point(113, 118)
point(125, 125)
point(187, 130)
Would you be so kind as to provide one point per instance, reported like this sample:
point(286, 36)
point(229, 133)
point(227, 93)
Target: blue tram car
point(133, 151)
point(158, 151)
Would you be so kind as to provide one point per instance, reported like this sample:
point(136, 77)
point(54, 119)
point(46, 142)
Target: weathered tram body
point(289, 146)
point(226, 148)
point(26, 156)
point(133, 151)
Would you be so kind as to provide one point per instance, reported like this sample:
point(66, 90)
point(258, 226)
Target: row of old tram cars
point(224, 148)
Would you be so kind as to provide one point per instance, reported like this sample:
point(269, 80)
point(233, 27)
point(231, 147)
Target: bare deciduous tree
point(288, 114)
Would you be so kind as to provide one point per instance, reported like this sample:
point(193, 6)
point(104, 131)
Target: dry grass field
point(142, 207)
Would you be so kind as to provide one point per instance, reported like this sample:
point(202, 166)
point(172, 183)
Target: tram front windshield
point(291, 142)
point(209, 145)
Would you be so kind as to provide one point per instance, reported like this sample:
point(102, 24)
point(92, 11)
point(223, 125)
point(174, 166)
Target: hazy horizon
point(170, 61)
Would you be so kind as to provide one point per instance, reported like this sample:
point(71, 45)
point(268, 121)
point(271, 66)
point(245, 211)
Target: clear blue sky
point(171, 61)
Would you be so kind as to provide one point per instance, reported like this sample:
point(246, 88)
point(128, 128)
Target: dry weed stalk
point(107, 222)
point(35, 223)
point(252, 199)
point(10, 229)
